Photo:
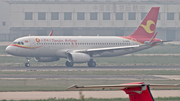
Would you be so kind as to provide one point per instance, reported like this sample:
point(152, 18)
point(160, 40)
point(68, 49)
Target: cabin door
point(32, 43)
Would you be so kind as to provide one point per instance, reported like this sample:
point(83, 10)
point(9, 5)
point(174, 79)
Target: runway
point(75, 94)
point(107, 77)
point(91, 68)
point(77, 76)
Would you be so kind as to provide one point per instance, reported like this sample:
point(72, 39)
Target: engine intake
point(78, 57)
point(46, 59)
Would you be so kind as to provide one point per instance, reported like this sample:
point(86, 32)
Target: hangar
point(85, 17)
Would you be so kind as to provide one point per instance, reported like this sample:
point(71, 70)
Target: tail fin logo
point(147, 26)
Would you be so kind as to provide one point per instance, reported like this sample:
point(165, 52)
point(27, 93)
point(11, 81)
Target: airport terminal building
point(85, 17)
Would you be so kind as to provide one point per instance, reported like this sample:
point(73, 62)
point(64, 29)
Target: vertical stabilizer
point(139, 93)
point(147, 28)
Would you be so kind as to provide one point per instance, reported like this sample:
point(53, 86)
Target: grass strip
point(110, 61)
point(102, 99)
point(63, 84)
point(93, 72)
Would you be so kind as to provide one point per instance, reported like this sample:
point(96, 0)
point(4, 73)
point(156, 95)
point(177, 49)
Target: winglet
point(50, 34)
point(153, 38)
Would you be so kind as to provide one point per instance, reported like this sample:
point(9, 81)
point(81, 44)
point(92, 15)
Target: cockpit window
point(14, 42)
point(20, 43)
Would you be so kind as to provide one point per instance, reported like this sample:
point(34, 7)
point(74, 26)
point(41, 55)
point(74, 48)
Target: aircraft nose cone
point(8, 49)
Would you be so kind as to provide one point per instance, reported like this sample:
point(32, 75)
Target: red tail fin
point(139, 93)
point(147, 28)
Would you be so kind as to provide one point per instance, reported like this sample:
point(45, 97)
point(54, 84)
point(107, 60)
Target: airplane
point(83, 49)
point(137, 91)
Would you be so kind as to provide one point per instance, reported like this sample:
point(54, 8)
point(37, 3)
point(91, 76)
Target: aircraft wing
point(108, 48)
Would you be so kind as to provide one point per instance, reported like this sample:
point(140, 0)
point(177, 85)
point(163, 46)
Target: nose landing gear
point(27, 64)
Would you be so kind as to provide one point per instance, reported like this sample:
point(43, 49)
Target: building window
point(28, 16)
point(118, 32)
point(54, 15)
point(131, 16)
point(67, 16)
point(143, 14)
point(67, 32)
point(106, 16)
point(93, 16)
point(3, 23)
point(119, 16)
point(170, 35)
point(80, 16)
point(170, 16)
point(159, 16)
point(41, 15)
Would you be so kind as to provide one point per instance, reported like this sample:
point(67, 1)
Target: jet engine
point(78, 57)
point(46, 59)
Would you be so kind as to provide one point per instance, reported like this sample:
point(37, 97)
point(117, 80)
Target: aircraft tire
point(91, 64)
point(69, 64)
point(27, 64)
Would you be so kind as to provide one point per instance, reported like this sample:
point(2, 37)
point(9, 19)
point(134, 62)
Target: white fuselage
point(58, 46)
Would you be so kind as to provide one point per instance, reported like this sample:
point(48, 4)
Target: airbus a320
point(83, 49)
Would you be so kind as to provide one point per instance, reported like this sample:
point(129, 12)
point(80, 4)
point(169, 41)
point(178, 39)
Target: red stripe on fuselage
point(16, 45)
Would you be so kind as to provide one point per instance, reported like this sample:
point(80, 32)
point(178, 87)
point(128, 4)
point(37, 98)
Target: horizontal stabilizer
point(137, 91)
point(122, 86)
point(75, 87)
point(164, 86)
point(161, 41)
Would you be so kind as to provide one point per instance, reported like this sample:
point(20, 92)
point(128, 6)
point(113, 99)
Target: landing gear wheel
point(92, 64)
point(28, 60)
point(27, 64)
point(69, 64)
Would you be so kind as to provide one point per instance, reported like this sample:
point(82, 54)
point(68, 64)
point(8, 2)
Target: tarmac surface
point(75, 94)
point(107, 77)
point(95, 94)
point(92, 68)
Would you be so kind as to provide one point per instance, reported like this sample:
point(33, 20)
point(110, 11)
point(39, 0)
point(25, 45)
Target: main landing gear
point(91, 63)
point(27, 64)
point(69, 64)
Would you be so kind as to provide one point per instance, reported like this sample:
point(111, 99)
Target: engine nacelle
point(46, 59)
point(78, 57)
